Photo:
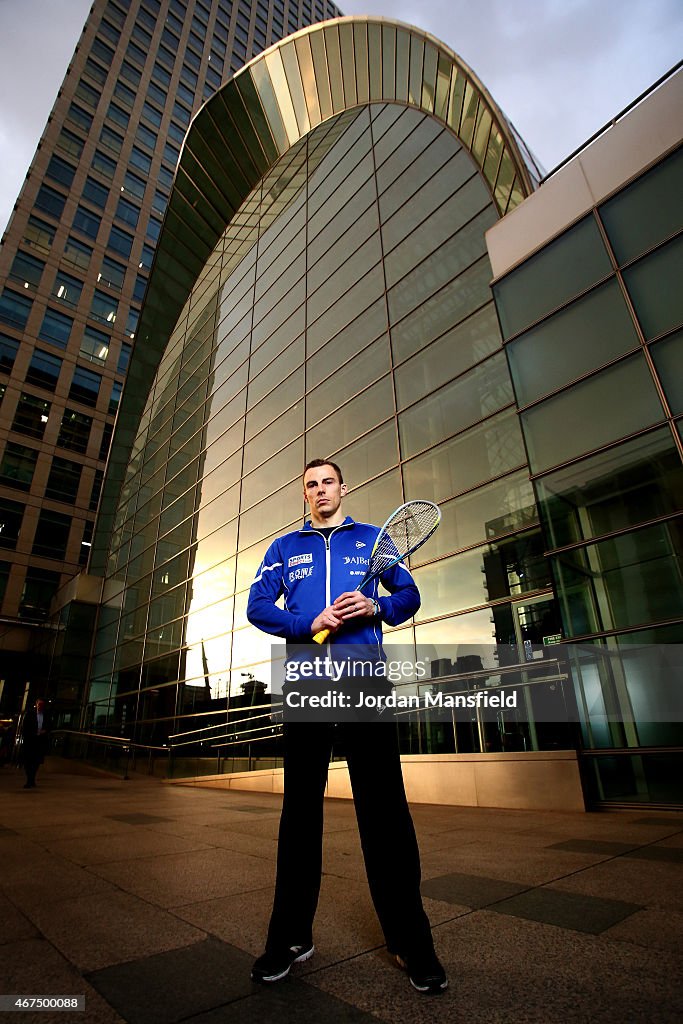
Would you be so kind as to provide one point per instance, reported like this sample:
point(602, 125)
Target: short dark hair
point(316, 463)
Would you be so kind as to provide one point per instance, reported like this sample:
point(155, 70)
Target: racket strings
point(404, 532)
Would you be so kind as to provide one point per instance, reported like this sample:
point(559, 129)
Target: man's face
point(322, 490)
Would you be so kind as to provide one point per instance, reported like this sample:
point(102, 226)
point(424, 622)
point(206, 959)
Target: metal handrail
point(103, 738)
point(218, 725)
point(243, 732)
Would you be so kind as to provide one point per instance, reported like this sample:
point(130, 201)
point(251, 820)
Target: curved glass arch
point(260, 115)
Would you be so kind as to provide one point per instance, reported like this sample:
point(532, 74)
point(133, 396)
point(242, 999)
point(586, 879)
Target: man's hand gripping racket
point(406, 529)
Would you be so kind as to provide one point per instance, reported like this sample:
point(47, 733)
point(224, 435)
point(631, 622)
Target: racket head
point(407, 529)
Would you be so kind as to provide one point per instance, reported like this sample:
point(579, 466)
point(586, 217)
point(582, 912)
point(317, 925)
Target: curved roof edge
point(244, 128)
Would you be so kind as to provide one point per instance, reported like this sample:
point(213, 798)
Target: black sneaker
point(425, 972)
point(276, 966)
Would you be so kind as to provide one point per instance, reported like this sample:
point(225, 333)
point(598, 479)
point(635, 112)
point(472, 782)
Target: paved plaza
point(152, 900)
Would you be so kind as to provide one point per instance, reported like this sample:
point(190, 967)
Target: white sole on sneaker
point(433, 989)
point(269, 979)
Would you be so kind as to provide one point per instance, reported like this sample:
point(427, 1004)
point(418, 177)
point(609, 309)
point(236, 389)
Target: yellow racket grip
point(322, 636)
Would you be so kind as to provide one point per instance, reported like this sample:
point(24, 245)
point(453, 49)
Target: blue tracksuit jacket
point(311, 572)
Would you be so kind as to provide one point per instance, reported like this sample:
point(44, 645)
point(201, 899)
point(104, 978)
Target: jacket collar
point(309, 528)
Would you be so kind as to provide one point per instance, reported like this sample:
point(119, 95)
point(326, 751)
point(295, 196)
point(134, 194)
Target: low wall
point(546, 780)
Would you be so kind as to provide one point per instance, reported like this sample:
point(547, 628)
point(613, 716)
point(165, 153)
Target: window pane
point(67, 289)
point(363, 369)
point(464, 345)
point(74, 431)
point(59, 170)
point(120, 241)
point(14, 309)
point(50, 201)
point(31, 416)
point(56, 328)
point(668, 358)
point(44, 370)
point(353, 419)
point(112, 273)
point(95, 193)
point(18, 465)
point(373, 502)
point(85, 386)
point(88, 223)
point(104, 307)
point(115, 397)
point(77, 253)
point(104, 164)
point(634, 579)
point(39, 234)
point(40, 586)
point(95, 345)
point(613, 403)
point(136, 186)
point(654, 286)
point(563, 269)
point(80, 117)
point(505, 506)
point(8, 352)
point(26, 270)
point(508, 568)
point(647, 212)
point(449, 306)
point(52, 534)
point(636, 481)
point(473, 396)
point(11, 517)
point(370, 455)
point(592, 331)
point(486, 451)
point(63, 481)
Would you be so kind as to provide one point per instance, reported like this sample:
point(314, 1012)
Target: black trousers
point(387, 834)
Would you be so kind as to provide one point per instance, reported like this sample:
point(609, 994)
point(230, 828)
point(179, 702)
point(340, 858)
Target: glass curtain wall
point(592, 328)
point(346, 313)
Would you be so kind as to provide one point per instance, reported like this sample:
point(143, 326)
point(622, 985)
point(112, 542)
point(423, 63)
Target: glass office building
point(74, 268)
point(321, 285)
point(591, 310)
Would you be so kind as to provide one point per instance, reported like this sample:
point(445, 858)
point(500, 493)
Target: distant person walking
point(35, 737)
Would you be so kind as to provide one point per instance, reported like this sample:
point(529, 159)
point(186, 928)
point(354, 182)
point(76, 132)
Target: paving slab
point(153, 900)
point(504, 970)
point(174, 880)
point(592, 914)
point(474, 891)
point(171, 986)
point(98, 931)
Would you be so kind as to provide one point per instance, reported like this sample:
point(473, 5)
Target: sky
point(559, 69)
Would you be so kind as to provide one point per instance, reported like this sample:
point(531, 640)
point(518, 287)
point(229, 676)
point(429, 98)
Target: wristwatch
point(376, 610)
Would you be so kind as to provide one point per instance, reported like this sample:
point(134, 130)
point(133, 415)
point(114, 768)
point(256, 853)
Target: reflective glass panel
point(668, 358)
point(633, 579)
point(486, 451)
point(647, 212)
point(654, 286)
point(593, 330)
point(636, 481)
point(613, 403)
point(565, 267)
point(473, 396)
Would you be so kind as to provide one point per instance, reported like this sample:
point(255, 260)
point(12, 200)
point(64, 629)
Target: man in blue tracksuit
point(316, 570)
